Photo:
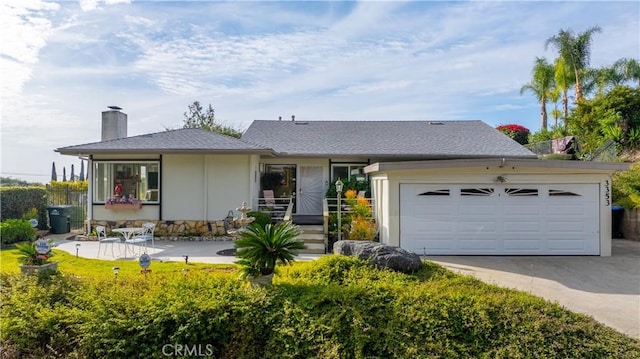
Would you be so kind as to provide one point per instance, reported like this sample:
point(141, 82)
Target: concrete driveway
point(606, 288)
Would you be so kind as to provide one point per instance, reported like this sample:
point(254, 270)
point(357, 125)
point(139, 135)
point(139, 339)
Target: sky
point(62, 64)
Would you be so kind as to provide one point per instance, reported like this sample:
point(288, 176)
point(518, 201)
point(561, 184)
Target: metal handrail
point(325, 222)
point(289, 213)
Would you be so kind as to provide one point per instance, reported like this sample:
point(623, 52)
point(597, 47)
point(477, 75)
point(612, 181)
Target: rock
point(380, 255)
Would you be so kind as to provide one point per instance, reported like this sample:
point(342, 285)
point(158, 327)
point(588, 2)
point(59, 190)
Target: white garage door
point(500, 219)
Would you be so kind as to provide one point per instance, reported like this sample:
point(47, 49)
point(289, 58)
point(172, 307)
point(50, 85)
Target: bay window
point(128, 179)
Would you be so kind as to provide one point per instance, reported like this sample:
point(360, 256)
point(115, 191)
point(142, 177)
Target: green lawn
point(82, 267)
point(335, 307)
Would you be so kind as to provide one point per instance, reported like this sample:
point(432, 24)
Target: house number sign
point(607, 193)
point(42, 246)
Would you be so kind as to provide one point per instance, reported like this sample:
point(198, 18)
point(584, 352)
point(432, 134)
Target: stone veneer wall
point(176, 230)
point(631, 224)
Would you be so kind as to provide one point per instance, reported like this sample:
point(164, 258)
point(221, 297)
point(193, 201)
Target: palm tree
point(260, 248)
point(563, 79)
point(606, 77)
point(575, 50)
point(630, 69)
point(541, 85)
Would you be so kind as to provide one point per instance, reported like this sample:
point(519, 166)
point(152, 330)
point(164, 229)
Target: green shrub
point(626, 187)
point(261, 218)
point(18, 202)
point(16, 230)
point(335, 307)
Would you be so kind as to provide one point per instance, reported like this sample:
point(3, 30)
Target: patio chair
point(270, 200)
point(102, 238)
point(146, 235)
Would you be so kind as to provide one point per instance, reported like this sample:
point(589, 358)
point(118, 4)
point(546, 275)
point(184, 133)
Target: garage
point(500, 219)
point(494, 206)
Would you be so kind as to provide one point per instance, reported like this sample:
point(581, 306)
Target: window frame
point(104, 186)
point(350, 167)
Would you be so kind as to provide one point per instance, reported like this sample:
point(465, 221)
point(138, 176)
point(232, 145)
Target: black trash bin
point(60, 219)
point(617, 214)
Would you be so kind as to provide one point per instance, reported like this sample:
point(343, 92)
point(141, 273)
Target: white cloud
point(89, 5)
point(261, 60)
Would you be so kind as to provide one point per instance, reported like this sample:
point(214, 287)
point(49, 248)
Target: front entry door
point(310, 190)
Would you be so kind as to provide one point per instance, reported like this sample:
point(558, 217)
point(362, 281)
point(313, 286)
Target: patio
point(165, 250)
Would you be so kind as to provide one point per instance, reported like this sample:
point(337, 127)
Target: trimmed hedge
point(335, 307)
point(18, 202)
point(16, 230)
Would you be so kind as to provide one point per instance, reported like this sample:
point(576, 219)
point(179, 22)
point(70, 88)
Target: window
point(476, 191)
point(139, 180)
point(521, 192)
point(561, 193)
point(438, 192)
point(348, 171)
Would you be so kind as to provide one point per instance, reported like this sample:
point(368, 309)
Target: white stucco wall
point(389, 183)
point(193, 187)
point(205, 187)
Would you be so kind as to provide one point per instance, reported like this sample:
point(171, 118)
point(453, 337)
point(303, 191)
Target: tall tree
point(73, 175)
point(541, 86)
point(197, 117)
point(54, 175)
point(630, 69)
point(563, 79)
point(575, 50)
point(605, 78)
point(81, 170)
point(64, 174)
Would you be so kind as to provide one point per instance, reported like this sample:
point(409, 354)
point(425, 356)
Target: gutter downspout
point(89, 193)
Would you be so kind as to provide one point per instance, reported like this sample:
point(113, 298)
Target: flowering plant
point(123, 200)
point(28, 255)
point(517, 133)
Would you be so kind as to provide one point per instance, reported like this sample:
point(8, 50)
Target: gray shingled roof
point(385, 139)
point(186, 140)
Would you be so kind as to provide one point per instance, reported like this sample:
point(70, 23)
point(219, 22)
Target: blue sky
point(64, 62)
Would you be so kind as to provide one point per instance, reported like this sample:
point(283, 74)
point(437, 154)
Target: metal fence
point(68, 196)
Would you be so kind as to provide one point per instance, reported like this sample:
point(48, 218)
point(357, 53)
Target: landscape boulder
point(380, 255)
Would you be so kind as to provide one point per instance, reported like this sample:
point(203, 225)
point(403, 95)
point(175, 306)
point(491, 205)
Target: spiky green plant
point(28, 255)
point(261, 248)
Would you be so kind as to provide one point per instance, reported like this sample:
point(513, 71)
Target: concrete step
point(312, 251)
point(312, 236)
point(312, 229)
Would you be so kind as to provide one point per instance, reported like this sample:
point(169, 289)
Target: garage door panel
point(532, 244)
point(566, 244)
point(500, 219)
point(569, 226)
point(435, 226)
point(521, 209)
point(566, 210)
point(427, 246)
point(522, 226)
point(478, 244)
point(428, 209)
point(484, 210)
point(478, 227)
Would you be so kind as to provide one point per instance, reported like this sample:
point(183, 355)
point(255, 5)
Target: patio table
point(126, 234)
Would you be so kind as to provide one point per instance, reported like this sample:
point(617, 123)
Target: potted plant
point(33, 262)
point(260, 248)
point(123, 203)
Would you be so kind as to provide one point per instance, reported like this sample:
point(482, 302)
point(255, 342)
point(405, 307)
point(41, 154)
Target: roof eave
point(580, 166)
point(164, 151)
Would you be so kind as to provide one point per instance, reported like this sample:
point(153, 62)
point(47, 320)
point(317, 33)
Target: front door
point(310, 190)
